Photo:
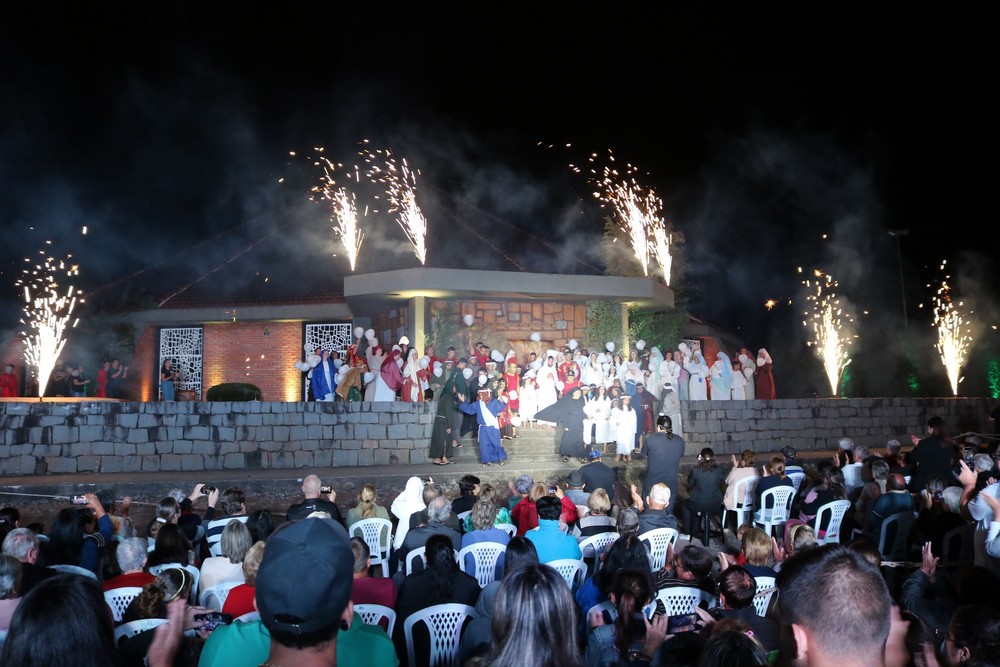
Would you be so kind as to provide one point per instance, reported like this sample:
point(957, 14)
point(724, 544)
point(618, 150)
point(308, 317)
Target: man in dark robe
point(568, 412)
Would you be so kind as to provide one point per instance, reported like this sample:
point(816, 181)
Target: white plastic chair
point(594, 546)
point(573, 570)
point(135, 627)
point(372, 614)
point(894, 535)
point(796, 478)
point(781, 506)
point(74, 569)
point(659, 539)
point(509, 527)
point(419, 552)
point(744, 501)
point(836, 509)
point(191, 569)
point(485, 556)
point(762, 600)
point(680, 600)
point(120, 598)
point(462, 515)
point(444, 624)
point(250, 616)
point(371, 532)
point(214, 597)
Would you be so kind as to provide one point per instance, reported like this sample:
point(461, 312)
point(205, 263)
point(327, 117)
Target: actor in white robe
point(722, 378)
point(623, 424)
point(747, 368)
point(698, 369)
point(739, 392)
point(528, 401)
point(655, 383)
point(592, 373)
point(670, 406)
point(670, 371)
point(547, 393)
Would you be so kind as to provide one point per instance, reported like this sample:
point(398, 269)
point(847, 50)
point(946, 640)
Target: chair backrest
point(659, 540)
point(680, 600)
point(762, 600)
point(421, 553)
point(781, 504)
point(852, 476)
point(509, 527)
point(444, 624)
point(836, 510)
point(571, 569)
point(796, 478)
point(372, 614)
point(462, 515)
point(120, 598)
point(957, 544)
point(127, 630)
point(250, 616)
point(607, 606)
point(893, 537)
point(597, 544)
point(371, 531)
point(74, 569)
point(215, 549)
point(214, 597)
point(744, 491)
point(484, 557)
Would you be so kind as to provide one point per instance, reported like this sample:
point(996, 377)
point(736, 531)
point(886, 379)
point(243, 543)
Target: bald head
point(310, 486)
point(896, 482)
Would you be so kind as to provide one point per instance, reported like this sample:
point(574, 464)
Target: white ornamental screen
point(334, 337)
point(183, 346)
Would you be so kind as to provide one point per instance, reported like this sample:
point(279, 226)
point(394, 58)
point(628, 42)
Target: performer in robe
point(547, 393)
point(722, 377)
point(683, 384)
point(623, 425)
point(504, 418)
point(513, 378)
point(592, 372)
point(411, 389)
point(670, 372)
point(375, 356)
point(765, 377)
point(655, 382)
point(568, 412)
point(528, 400)
point(598, 410)
point(739, 390)
point(390, 377)
point(8, 382)
point(486, 410)
point(441, 448)
point(747, 369)
point(645, 407)
point(324, 379)
point(698, 369)
point(670, 406)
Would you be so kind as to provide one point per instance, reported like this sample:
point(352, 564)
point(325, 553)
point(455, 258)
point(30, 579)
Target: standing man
point(933, 456)
point(663, 452)
point(486, 410)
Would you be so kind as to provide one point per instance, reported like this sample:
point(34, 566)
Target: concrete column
point(416, 327)
point(625, 343)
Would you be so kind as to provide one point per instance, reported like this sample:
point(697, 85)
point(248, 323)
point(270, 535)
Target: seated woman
point(366, 507)
point(596, 519)
point(440, 582)
point(171, 584)
point(705, 491)
point(483, 516)
point(611, 644)
point(525, 514)
point(627, 552)
point(773, 476)
point(490, 493)
point(10, 584)
point(166, 512)
point(261, 525)
point(171, 547)
point(829, 489)
point(758, 551)
point(743, 468)
point(240, 599)
point(70, 543)
point(229, 566)
point(468, 488)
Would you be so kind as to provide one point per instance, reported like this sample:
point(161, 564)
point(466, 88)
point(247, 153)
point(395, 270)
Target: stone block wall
point(729, 427)
point(51, 437)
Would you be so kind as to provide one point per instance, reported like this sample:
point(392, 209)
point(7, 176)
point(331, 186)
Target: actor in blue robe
point(322, 389)
point(486, 410)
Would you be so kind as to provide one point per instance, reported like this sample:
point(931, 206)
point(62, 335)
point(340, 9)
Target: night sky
point(762, 127)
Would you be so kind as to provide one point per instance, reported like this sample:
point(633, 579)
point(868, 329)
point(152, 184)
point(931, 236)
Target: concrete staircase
point(530, 446)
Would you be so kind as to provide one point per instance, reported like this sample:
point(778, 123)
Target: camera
point(79, 500)
point(326, 490)
point(205, 488)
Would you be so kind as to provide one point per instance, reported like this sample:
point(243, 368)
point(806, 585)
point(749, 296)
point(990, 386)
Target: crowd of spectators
point(907, 575)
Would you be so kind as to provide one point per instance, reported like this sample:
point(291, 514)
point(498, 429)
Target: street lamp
point(897, 233)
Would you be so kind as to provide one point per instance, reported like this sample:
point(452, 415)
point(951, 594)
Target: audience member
point(791, 460)
point(549, 540)
point(240, 598)
point(525, 513)
point(690, 567)
point(758, 552)
point(895, 499)
point(574, 488)
point(69, 544)
point(438, 512)
point(131, 555)
point(22, 544)
point(869, 493)
point(609, 645)
point(732, 643)
point(737, 588)
point(419, 518)
point(597, 474)
point(596, 519)
point(773, 475)
point(315, 501)
point(235, 544)
point(366, 589)
point(366, 507)
point(852, 471)
point(490, 493)
point(704, 488)
point(468, 488)
point(171, 547)
point(744, 468)
point(973, 631)
point(483, 516)
point(10, 584)
point(234, 506)
point(933, 456)
point(655, 515)
point(940, 512)
point(261, 525)
point(173, 583)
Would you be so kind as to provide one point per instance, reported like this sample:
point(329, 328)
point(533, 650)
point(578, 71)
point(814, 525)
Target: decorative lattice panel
point(334, 337)
point(183, 346)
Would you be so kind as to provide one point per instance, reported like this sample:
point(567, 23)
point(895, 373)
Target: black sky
point(763, 127)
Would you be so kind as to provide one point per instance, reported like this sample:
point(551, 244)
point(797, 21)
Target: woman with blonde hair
point(597, 518)
point(240, 599)
point(366, 507)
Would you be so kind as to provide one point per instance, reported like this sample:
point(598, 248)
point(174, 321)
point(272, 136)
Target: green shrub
point(233, 391)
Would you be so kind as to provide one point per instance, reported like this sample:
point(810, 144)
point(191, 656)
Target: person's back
point(663, 452)
point(549, 540)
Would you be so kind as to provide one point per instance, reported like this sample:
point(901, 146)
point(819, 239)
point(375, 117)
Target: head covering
point(593, 455)
point(727, 369)
point(575, 478)
point(406, 503)
point(316, 551)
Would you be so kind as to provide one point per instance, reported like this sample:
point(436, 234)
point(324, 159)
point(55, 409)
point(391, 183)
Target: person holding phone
point(632, 633)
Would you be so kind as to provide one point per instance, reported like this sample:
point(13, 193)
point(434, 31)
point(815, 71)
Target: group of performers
point(598, 399)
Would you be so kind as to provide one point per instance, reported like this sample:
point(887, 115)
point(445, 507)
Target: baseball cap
point(305, 578)
point(593, 455)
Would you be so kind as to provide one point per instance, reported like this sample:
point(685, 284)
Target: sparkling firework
point(954, 335)
point(827, 318)
point(47, 312)
point(638, 211)
point(343, 208)
point(400, 183)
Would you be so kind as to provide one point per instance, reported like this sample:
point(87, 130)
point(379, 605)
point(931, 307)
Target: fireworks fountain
point(401, 183)
point(954, 334)
point(343, 207)
point(638, 211)
point(827, 317)
point(47, 312)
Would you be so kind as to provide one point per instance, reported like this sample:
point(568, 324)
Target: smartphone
point(214, 619)
point(79, 500)
point(969, 453)
point(326, 490)
point(682, 623)
point(552, 490)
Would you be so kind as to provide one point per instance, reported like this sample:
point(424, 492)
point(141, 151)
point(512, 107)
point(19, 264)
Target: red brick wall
point(261, 353)
point(144, 367)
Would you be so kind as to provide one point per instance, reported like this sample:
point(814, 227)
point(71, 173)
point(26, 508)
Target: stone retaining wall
point(51, 437)
point(817, 424)
point(94, 436)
